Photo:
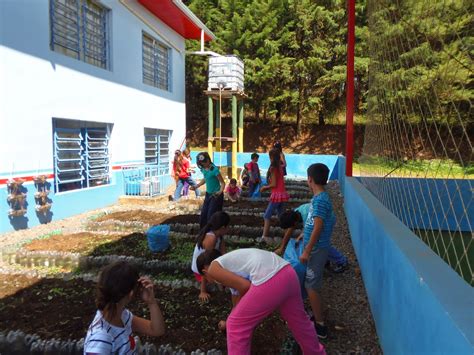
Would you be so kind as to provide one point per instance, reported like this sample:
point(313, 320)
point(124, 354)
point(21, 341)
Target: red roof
point(177, 16)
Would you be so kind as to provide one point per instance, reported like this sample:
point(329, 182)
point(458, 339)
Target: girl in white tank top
point(209, 238)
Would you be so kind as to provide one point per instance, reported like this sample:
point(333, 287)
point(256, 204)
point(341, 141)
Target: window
point(157, 149)
point(79, 29)
point(81, 154)
point(156, 63)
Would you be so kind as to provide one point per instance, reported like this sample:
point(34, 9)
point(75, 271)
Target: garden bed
point(54, 308)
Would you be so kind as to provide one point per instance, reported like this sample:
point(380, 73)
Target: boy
point(290, 220)
point(254, 174)
point(317, 240)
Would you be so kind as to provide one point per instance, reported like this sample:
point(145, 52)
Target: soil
point(158, 218)
point(134, 244)
point(53, 308)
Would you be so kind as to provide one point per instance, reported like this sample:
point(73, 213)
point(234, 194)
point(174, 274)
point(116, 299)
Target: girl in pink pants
point(265, 283)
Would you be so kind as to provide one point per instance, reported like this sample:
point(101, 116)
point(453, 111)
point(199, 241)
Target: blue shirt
point(321, 207)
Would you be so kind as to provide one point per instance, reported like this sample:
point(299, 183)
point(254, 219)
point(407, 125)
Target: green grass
point(435, 168)
point(455, 248)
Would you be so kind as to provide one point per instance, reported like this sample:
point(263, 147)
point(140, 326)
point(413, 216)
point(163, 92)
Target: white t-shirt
point(198, 251)
point(105, 338)
point(257, 265)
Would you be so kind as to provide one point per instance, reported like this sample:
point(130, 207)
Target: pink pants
point(281, 292)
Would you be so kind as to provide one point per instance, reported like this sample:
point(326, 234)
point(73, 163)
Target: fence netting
point(418, 148)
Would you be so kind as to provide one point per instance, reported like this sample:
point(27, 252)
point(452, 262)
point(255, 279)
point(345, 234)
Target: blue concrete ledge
point(420, 305)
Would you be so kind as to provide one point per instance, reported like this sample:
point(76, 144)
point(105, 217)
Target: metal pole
point(350, 86)
point(210, 132)
point(234, 136)
point(241, 125)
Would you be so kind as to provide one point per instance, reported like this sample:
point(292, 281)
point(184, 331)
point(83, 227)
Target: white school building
point(87, 87)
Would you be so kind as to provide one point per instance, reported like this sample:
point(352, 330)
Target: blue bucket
point(158, 238)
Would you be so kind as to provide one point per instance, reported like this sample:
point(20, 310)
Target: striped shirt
point(105, 338)
point(321, 207)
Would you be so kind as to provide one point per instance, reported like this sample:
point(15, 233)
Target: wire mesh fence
point(418, 150)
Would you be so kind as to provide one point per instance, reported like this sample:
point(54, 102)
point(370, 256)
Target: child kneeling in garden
point(111, 330)
point(210, 237)
point(269, 283)
point(232, 191)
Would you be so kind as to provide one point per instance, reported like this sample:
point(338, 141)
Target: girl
point(184, 175)
point(277, 145)
point(214, 187)
point(232, 191)
point(111, 330)
point(279, 194)
point(265, 283)
point(210, 237)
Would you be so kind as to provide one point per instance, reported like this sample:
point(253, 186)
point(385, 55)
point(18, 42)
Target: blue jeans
point(335, 256)
point(179, 187)
point(211, 205)
point(272, 207)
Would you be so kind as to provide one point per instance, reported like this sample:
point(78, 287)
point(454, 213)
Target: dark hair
point(218, 220)
point(233, 181)
point(277, 145)
point(116, 280)
point(254, 155)
point(206, 258)
point(319, 173)
point(289, 219)
point(203, 157)
point(275, 161)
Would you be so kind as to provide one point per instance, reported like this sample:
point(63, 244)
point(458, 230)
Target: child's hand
point(204, 297)
point(279, 251)
point(263, 188)
point(299, 238)
point(192, 188)
point(222, 325)
point(146, 290)
point(304, 257)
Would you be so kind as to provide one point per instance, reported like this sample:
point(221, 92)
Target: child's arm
point(156, 325)
point(203, 294)
point(198, 185)
point(222, 248)
point(271, 185)
point(209, 242)
point(283, 159)
point(222, 183)
point(281, 249)
point(317, 228)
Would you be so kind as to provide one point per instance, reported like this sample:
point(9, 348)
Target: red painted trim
point(350, 86)
point(170, 14)
point(26, 178)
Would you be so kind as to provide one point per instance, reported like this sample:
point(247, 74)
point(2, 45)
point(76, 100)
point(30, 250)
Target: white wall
point(37, 84)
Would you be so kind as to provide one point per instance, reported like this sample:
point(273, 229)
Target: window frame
point(161, 139)
point(152, 73)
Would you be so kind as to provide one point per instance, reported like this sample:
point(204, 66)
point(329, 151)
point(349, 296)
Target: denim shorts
point(272, 207)
point(315, 269)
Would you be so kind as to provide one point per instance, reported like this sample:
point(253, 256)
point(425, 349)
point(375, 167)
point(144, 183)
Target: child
point(214, 187)
point(232, 191)
point(210, 237)
point(277, 145)
point(317, 240)
point(265, 283)
point(244, 177)
point(254, 174)
point(187, 155)
point(289, 220)
point(183, 172)
point(111, 330)
point(279, 194)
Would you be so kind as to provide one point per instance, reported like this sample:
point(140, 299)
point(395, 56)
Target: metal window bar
point(94, 34)
point(163, 153)
point(156, 63)
point(64, 25)
point(96, 156)
point(67, 158)
point(151, 149)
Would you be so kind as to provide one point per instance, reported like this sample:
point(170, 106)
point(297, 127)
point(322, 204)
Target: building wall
point(38, 84)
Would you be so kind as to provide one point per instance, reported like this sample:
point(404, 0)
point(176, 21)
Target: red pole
point(350, 86)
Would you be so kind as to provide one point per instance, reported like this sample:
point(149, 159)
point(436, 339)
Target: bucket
point(158, 239)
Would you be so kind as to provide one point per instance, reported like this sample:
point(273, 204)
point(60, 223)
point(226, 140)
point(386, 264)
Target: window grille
point(157, 149)
point(81, 155)
point(156, 63)
point(79, 29)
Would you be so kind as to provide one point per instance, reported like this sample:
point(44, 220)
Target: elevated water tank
point(227, 71)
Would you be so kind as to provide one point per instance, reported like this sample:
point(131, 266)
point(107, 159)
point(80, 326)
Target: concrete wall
point(420, 305)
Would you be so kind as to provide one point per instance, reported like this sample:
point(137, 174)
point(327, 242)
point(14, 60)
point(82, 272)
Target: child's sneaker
point(321, 329)
point(338, 268)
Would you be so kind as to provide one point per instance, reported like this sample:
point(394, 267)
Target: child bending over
point(210, 237)
point(111, 330)
point(232, 191)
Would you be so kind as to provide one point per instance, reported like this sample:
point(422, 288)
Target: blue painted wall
point(296, 163)
point(420, 305)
